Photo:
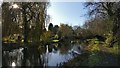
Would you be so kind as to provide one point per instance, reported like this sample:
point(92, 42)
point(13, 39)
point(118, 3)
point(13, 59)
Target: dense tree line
point(28, 19)
point(108, 13)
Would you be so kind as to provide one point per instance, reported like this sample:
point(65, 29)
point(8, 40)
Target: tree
point(40, 20)
point(46, 36)
point(106, 10)
point(101, 8)
point(56, 29)
point(66, 31)
point(50, 27)
point(5, 9)
point(30, 15)
point(96, 26)
point(9, 26)
point(78, 31)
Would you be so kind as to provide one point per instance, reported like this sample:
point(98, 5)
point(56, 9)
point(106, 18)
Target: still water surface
point(48, 55)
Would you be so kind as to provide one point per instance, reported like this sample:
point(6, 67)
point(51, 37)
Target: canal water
point(46, 55)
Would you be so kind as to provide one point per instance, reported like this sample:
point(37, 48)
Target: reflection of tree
point(64, 47)
point(33, 56)
point(45, 58)
point(42, 49)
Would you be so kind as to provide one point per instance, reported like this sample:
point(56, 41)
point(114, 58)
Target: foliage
point(9, 26)
point(56, 29)
point(93, 45)
point(50, 27)
point(55, 40)
point(15, 38)
point(96, 26)
point(56, 36)
point(113, 50)
point(108, 39)
point(66, 30)
point(46, 36)
point(106, 11)
point(28, 19)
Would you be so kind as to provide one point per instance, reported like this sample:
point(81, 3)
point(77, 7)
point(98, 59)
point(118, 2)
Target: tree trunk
point(26, 31)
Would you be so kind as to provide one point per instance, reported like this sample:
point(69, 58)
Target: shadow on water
point(45, 55)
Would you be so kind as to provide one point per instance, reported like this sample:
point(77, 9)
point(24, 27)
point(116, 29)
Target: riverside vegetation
point(98, 37)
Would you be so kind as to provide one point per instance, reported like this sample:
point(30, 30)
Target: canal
point(44, 55)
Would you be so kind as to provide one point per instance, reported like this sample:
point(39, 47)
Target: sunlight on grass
point(55, 40)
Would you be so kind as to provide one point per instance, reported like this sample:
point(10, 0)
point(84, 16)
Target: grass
point(94, 60)
point(97, 54)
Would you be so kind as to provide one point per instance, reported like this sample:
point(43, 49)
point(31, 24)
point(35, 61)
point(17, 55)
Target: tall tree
point(105, 10)
point(50, 27)
point(28, 15)
point(66, 31)
point(55, 29)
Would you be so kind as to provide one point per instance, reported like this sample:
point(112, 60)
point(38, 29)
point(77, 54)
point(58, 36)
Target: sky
point(72, 13)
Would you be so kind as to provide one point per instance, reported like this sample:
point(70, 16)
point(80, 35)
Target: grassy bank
point(96, 53)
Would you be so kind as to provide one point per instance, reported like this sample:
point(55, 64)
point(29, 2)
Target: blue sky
point(72, 13)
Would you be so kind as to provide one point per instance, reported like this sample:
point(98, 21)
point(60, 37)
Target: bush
point(93, 45)
point(46, 36)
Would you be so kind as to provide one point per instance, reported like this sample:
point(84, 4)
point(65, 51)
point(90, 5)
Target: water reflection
point(13, 64)
point(47, 55)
